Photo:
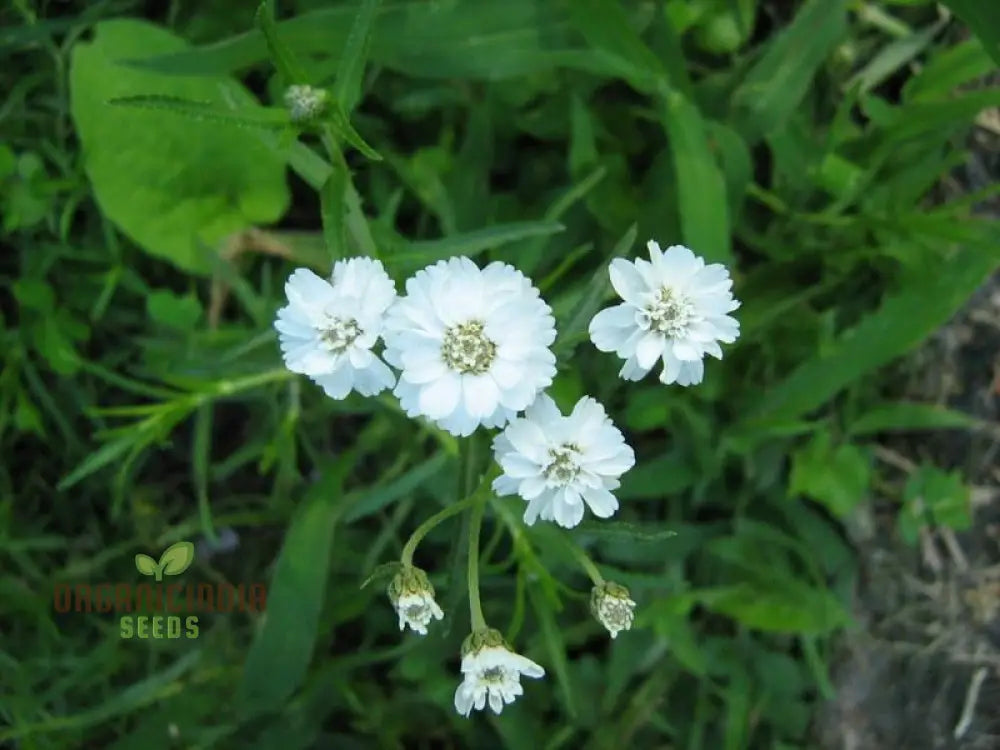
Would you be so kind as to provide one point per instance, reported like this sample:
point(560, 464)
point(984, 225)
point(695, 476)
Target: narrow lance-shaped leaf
point(983, 17)
point(280, 654)
point(902, 322)
point(267, 118)
point(701, 187)
point(347, 87)
point(778, 82)
point(283, 58)
point(574, 328)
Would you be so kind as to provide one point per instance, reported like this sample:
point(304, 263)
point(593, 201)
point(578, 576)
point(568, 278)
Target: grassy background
point(812, 146)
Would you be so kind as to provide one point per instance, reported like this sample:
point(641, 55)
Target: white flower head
point(491, 672)
point(412, 595)
point(559, 463)
point(472, 344)
point(612, 605)
point(328, 328)
point(675, 310)
point(305, 102)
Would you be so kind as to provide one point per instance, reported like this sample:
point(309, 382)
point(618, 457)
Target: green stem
point(357, 223)
point(422, 530)
point(467, 476)
point(585, 562)
point(475, 606)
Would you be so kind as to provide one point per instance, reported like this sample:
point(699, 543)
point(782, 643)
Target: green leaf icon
point(145, 564)
point(177, 558)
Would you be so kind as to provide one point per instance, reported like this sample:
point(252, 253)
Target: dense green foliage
point(154, 197)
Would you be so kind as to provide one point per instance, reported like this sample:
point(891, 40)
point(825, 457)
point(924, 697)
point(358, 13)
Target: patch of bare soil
point(922, 671)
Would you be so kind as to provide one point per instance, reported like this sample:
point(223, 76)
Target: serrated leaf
point(836, 476)
point(904, 416)
point(145, 564)
point(177, 558)
point(347, 87)
point(623, 530)
point(383, 572)
point(267, 118)
point(778, 606)
point(281, 56)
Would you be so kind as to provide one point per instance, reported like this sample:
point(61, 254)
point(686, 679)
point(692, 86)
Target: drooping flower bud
point(613, 607)
point(412, 595)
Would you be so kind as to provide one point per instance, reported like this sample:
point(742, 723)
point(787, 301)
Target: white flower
point(305, 102)
point(328, 328)
point(412, 595)
point(559, 463)
point(494, 673)
point(613, 607)
point(675, 310)
point(472, 344)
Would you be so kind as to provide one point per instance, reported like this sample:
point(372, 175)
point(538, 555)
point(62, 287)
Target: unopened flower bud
point(613, 607)
point(305, 102)
point(412, 595)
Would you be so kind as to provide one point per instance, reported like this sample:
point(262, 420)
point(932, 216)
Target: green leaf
point(281, 651)
point(904, 416)
point(382, 495)
point(145, 564)
point(574, 328)
point(777, 606)
point(949, 69)
point(97, 460)
point(268, 118)
point(472, 243)
point(333, 210)
point(478, 40)
point(177, 558)
point(624, 530)
point(180, 312)
point(553, 638)
point(984, 20)
point(903, 321)
point(605, 24)
point(837, 477)
point(933, 496)
point(779, 81)
point(701, 187)
point(175, 186)
point(281, 56)
point(347, 87)
point(892, 57)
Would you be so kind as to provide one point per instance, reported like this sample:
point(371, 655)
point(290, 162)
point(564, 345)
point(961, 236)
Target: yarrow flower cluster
point(468, 348)
point(472, 344)
point(559, 464)
point(675, 310)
